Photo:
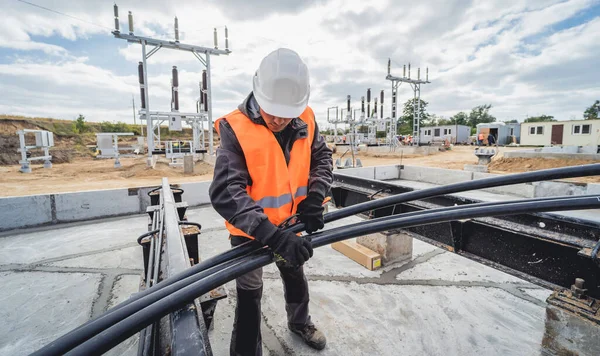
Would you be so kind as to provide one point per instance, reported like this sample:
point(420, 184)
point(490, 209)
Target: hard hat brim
point(280, 110)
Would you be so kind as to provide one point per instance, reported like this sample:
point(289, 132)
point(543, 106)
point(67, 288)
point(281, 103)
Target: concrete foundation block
point(522, 190)
point(593, 188)
point(476, 168)
point(18, 212)
point(96, 204)
point(553, 189)
point(435, 175)
point(387, 172)
point(196, 193)
point(363, 172)
point(393, 246)
point(188, 164)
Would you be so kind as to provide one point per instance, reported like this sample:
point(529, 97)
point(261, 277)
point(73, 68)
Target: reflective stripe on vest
point(277, 187)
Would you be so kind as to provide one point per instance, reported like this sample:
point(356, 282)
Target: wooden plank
point(359, 254)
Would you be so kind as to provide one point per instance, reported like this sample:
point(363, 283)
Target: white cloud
point(504, 53)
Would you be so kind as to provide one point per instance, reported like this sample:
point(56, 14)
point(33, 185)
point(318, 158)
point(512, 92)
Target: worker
point(272, 164)
point(480, 139)
point(491, 140)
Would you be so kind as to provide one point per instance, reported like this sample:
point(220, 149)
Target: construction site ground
point(433, 303)
point(87, 173)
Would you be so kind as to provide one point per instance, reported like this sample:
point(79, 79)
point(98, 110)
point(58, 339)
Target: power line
point(63, 14)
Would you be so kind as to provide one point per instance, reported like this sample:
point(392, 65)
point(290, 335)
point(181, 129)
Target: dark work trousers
point(246, 337)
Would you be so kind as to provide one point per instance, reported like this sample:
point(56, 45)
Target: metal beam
point(546, 249)
point(189, 334)
point(153, 50)
point(199, 58)
point(170, 44)
point(407, 80)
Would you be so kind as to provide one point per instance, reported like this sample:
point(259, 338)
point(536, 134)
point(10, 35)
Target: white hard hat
point(281, 84)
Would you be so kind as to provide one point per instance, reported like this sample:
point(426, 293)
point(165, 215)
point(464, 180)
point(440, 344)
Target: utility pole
point(415, 84)
point(155, 118)
point(133, 105)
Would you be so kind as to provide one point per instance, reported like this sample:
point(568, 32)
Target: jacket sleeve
point(321, 166)
point(228, 193)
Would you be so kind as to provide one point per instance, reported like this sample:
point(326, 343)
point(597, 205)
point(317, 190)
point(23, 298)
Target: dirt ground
point(84, 173)
point(93, 174)
point(452, 159)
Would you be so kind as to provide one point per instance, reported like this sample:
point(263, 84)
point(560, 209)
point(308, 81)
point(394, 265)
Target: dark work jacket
point(227, 191)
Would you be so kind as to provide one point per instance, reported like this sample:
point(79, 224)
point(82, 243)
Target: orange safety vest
point(481, 137)
point(277, 187)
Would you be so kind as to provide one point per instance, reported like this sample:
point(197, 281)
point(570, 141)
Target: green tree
point(541, 118)
point(592, 112)
point(79, 125)
point(480, 114)
point(405, 122)
point(363, 129)
point(460, 119)
point(445, 122)
point(513, 121)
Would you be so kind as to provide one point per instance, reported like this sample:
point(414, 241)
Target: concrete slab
point(371, 319)
point(364, 172)
point(476, 168)
point(435, 175)
point(71, 240)
point(205, 216)
point(123, 288)
point(455, 268)
point(421, 248)
point(196, 193)
point(522, 190)
point(220, 333)
point(18, 212)
point(593, 188)
point(213, 242)
point(127, 258)
point(38, 307)
point(88, 205)
point(552, 189)
point(537, 293)
point(387, 172)
point(449, 305)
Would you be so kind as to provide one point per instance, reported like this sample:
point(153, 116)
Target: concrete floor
point(54, 279)
point(437, 303)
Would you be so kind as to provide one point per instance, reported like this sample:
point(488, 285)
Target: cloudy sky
point(526, 58)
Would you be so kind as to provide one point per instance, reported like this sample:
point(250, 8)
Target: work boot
point(311, 336)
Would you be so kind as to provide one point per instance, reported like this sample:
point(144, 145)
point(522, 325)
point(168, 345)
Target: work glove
point(289, 248)
point(310, 212)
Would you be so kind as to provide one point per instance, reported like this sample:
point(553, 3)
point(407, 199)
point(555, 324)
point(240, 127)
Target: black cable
point(107, 339)
point(139, 239)
point(527, 177)
point(460, 212)
point(556, 173)
point(138, 302)
point(92, 327)
point(129, 326)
